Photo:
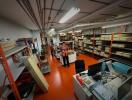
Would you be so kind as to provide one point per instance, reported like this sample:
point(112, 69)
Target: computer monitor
point(95, 68)
point(125, 88)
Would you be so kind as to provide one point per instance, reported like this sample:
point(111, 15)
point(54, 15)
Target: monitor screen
point(95, 68)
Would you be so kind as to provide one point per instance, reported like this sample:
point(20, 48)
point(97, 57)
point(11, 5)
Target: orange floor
point(60, 80)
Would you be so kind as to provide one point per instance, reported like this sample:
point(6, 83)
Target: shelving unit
point(11, 70)
point(109, 45)
point(78, 40)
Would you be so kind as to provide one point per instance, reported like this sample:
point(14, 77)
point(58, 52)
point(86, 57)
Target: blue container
point(122, 68)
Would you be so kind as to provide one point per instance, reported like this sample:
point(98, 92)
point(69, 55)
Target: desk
point(83, 92)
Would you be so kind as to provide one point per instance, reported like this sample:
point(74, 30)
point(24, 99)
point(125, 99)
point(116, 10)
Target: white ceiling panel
point(68, 4)
point(95, 10)
point(12, 11)
point(76, 17)
point(48, 3)
point(106, 1)
point(127, 3)
point(57, 3)
point(88, 6)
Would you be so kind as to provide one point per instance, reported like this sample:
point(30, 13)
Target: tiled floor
point(60, 80)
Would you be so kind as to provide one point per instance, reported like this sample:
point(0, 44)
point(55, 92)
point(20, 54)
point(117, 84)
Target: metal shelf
point(120, 55)
point(88, 43)
point(113, 40)
point(123, 48)
point(120, 59)
point(16, 71)
point(14, 50)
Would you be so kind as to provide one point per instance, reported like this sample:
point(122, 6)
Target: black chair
point(79, 66)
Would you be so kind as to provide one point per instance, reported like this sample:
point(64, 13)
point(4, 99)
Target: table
point(84, 92)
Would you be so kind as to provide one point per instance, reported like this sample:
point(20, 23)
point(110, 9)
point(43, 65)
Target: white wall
point(55, 36)
point(12, 31)
point(36, 34)
point(56, 40)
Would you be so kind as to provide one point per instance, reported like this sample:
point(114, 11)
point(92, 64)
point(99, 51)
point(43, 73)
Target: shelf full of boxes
point(106, 45)
point(11, 67)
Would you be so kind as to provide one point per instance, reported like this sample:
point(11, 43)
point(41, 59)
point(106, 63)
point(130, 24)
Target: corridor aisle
point(60, 80)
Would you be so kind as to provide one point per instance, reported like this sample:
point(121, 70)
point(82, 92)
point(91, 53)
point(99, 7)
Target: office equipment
point(103, 92)
point(125, 88)
point(109, 64)
point(93, 69)
point(79, 66)
point(122, 68)
point(103, 68)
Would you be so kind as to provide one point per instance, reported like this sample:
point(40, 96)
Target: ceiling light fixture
point(115, 25)
point(72, 12)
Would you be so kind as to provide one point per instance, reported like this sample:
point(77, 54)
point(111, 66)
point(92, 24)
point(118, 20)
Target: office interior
point(98, 36)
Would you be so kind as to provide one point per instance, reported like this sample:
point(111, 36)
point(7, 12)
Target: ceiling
point(90, 11)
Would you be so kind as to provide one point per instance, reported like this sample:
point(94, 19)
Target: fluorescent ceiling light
point(72, 12)
point(115, 25)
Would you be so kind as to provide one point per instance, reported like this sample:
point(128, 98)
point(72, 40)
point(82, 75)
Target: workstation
point(106, 80)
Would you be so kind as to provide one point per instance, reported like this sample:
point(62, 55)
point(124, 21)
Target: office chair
point(79, 66)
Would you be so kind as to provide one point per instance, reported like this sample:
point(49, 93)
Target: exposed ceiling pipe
point(49, 17)
point(26, 6)
point(40, 12)
point(33, 14)
point(101, 2)
point(98, 24)
point(129, 8)
point(44, 17)
point(95, 13)
point(25, 10)
point(60, 9)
